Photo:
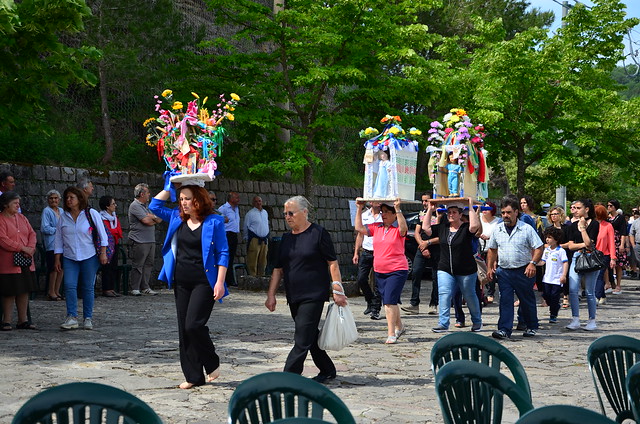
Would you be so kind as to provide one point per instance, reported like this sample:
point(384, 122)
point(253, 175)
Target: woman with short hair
point(308, 264)
point(389, 261)
point(48, 224)
point(17, 280)
point(112, 224)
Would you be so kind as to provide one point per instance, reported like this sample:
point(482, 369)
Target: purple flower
point(436, 124)
point(433, 131)
point(467, 124)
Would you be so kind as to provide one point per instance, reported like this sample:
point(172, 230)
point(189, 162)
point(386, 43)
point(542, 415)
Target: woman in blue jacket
point(196, 256)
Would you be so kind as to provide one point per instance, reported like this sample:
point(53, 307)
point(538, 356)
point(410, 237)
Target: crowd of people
point(471, 250)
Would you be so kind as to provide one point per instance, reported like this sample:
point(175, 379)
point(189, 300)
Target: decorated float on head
point(457, 166)
point(189, 141)
point(390, 161)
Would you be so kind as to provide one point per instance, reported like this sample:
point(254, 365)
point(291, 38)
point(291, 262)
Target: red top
point(115, 232)
point(606, 240)
point(15, 233)
point(388, 249)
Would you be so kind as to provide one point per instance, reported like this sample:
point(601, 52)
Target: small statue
point(453, 174)
point(381, 186)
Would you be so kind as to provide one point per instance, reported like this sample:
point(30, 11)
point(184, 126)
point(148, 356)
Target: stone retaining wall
point(331, 203)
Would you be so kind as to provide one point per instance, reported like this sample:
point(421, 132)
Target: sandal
point(400, 332)
point(52, 298)
point(25, 326)
point(565, 303)
point(459, 325)
point(6, 326)
point(391, 340)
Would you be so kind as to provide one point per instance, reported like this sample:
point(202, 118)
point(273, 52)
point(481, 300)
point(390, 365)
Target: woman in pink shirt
point(607, 245)
point(389, 262)
point(16, 280)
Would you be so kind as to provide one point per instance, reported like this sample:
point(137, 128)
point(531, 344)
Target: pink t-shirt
point(388, 249)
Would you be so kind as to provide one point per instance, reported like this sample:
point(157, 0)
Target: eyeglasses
point(213, 199)
point(289, 214)
point(609, 204)
point(554, 214)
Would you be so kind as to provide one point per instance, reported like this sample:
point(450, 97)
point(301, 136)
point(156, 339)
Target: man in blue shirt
point(514, 250)
point(231, 212)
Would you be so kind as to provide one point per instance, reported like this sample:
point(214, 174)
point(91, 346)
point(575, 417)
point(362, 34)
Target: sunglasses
point(289, 214)
point(214, 199)
point(554, 213)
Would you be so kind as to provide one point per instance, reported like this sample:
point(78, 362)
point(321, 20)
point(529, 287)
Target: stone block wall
point(331, 208)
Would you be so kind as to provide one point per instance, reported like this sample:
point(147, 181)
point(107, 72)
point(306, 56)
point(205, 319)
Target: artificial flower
point(230, 116)
point(176, 105)
point(461, 112)
point(235, 97)
point(167, 93)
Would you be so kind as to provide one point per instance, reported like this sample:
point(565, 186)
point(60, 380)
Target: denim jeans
point(83, 272)
point(599, 290)
point(512, 281)
point(590, 279)
point(446, 284)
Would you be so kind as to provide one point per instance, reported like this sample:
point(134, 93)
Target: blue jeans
point(515, 280)
point(599, 291)
point(590, 279)
point(86, 271)
point(467, 284)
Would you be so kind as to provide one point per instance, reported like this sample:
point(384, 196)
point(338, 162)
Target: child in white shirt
point(556, 271)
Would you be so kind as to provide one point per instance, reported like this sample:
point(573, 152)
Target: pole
point(561, 192)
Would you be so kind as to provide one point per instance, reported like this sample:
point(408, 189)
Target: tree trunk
point(520, 178)
point(308, 181)
point(106, 118)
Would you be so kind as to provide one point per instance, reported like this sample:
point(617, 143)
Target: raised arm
point(426, 221)
point(474, 219)
point(360, 228)
point(402, 222)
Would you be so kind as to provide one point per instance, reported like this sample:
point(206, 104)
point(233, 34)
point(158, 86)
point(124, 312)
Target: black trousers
point(194, 303)
point(306, 316)
point(110, 273)
point(232, 240)
point(365, 265)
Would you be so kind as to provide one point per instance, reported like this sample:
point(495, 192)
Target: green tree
point(34, 63)
point(551, 101)
point(318, 66)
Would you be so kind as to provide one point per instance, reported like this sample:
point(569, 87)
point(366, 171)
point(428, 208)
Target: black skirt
point(16, 284)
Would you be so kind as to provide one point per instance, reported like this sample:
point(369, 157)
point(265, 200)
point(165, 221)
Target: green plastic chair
point(633, 390)
point(124, 269)
point(300, 420)
point(563, 414)
point(273, 396)
point(610, 358)
point(471, 392)
point(474, 347)
point(79, 402)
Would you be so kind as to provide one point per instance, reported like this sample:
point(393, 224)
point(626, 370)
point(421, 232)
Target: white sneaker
point(591, 325)
point(69, 324)
point(136, 293)
point(150, 292)
point(609, 290)
point(88, 324)
point(602, 301)
point(574, 324)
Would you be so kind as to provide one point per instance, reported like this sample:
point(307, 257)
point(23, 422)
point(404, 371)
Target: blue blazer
point(215, 249)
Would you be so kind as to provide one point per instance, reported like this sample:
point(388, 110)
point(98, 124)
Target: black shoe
point(375, 315)
point(323, 378)
point(368, 310)
point(500, 334)
point(521, 327)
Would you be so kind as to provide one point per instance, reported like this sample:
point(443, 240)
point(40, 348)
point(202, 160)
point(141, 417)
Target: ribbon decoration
point(168, 186)
point(388, 139)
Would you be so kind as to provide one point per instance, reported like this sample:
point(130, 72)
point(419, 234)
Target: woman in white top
point(489, 222)
point(75, 248)
point(48, 225)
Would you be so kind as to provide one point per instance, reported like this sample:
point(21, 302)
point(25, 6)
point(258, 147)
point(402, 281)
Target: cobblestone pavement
point(134, 346)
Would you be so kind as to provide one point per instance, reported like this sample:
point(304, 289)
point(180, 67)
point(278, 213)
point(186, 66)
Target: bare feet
point(186, 385)
point(215, 374)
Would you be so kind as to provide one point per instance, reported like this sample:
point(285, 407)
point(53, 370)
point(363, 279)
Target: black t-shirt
point(592, 230)
point(619, 225)
point(189, 264)
point(303, 258)
point(456, 252)
point(566, 230)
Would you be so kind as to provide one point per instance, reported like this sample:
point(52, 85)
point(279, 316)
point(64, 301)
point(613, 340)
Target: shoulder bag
point(590, 261)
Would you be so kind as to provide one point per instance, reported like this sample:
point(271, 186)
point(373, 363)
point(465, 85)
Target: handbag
point(589, 261)
point(339, 329)
point(111, 242)
point(21, 260)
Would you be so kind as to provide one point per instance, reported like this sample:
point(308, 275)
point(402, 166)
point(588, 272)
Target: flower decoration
point(189, 141)
point(456, 129)
point(392, 136)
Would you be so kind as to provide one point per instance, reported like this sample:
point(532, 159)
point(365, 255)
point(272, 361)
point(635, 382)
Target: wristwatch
point(533, 262)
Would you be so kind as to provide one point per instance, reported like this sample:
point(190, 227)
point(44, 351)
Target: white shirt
point(258, 222)
point(368, 218)
point(487, 230)
point(73, 238)
point(233, 213)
